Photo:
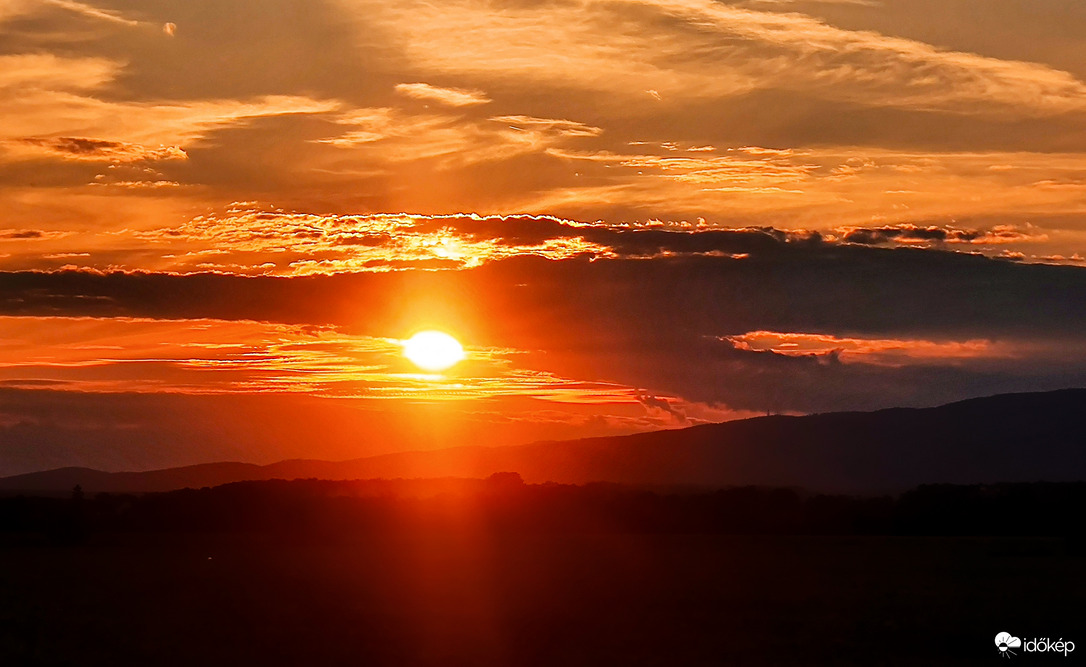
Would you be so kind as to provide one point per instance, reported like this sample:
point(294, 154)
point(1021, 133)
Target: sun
point(433, 350)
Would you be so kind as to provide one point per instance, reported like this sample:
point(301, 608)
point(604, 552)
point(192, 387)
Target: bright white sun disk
point(433, 350)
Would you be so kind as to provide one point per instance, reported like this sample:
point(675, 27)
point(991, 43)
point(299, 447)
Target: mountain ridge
point(1007, 437)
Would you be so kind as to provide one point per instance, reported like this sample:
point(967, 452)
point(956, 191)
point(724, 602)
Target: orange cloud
point(702, 49)
point(254, 241)
point(219, 357)
point(454, 97)
point(93, 12)
point(45, 71)
point(385, 137)
point(81, 148)
point(766, 168)
point(880, 351)
point(831, 189)
point(52, 100)
point(248, 240)
point(570, 132)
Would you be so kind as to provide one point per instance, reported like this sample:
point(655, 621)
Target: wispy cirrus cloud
point(454, 97)
point(704, 49)
point(33, 72)
point(52, 100)
point(390, 135)
point(91, 11)
point(19, 8)
point(745, 166)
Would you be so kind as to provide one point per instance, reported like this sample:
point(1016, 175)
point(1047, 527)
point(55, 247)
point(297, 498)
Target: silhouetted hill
point(1006, 438)
point(61, 480)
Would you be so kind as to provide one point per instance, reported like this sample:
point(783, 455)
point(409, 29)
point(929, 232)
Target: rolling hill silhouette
point(1005, 438)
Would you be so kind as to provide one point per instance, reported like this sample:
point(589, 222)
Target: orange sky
point(634, 214)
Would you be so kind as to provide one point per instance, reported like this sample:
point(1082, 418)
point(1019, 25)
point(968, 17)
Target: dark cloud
point(117, 152)
point(23, 234)
point(909, 233)
point(656, 404)
point(634, 241)
point(658, 323)
point(780, 285)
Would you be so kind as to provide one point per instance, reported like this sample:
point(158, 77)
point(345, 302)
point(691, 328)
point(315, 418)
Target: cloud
point(800, 324)
point(863, 3)
point(255, 241)
point(789, 214)
point(881, 351)
point(148, 390)
point(44, 71)
point(29, 234)
point(37, 8)
point(704, 49)
point(454, 97)
point(825, 188)
point(881, 326)
point(82, 148)
point(246, 241)
point(916, 234)
point(220, 357)
point(569, 146)
point(93, 12)
point(759, 168)
point(656, 404)
point(567, 128)
point(51, 99)
point(845, 127)
point(391, 136)
point(136, 185)
point(167, 124)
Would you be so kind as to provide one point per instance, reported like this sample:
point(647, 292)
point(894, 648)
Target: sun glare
point(433, 350)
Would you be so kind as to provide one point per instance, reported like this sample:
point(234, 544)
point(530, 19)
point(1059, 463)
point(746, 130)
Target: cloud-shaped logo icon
point(1005, 642)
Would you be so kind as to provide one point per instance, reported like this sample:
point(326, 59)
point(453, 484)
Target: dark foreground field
point(480, 598)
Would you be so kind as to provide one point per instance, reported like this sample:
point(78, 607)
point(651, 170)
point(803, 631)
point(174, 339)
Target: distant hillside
point(1007, 438)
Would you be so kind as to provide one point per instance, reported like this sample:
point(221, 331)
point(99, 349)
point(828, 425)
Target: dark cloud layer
point(722, 282)
point(662, 323)
point(931, 234)
point(82, 148)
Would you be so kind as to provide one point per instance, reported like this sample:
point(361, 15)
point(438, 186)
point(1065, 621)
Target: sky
point(219, 220)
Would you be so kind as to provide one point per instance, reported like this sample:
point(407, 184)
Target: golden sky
point(634, 214)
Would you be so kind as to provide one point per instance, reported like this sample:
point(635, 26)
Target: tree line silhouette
point(503, 503)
